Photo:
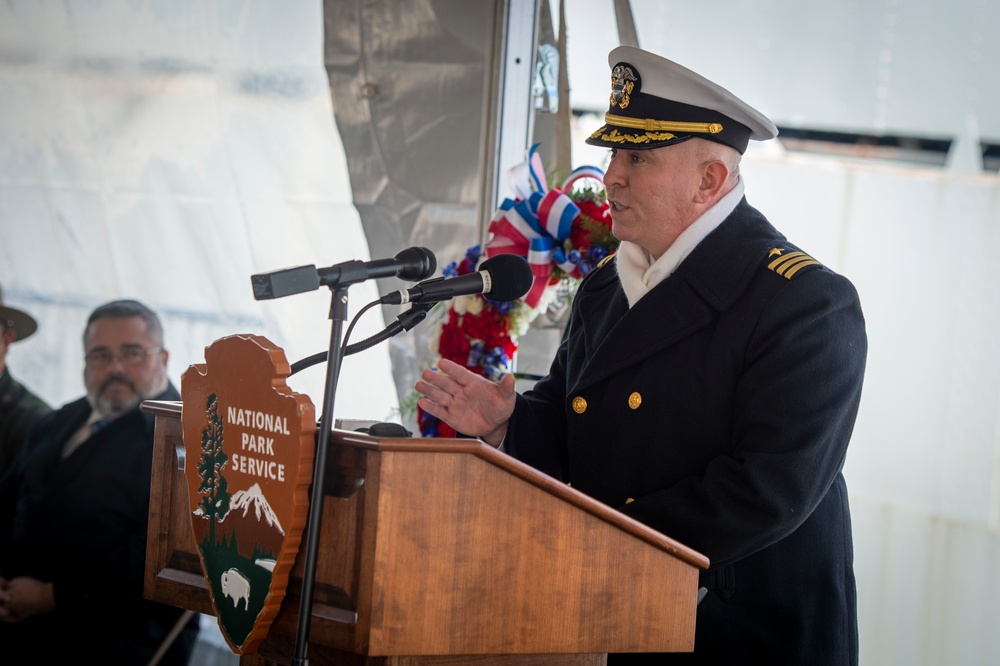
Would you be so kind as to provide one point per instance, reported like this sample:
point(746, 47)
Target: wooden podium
point(446, 551)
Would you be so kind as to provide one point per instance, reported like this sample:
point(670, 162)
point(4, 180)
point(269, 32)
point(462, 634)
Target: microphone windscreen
point(415, 263)
point(510, 275)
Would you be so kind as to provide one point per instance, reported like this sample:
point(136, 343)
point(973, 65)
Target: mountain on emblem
point(253, 497)
point(253, 522)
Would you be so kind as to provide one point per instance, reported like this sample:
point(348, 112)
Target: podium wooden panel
point(445, 551)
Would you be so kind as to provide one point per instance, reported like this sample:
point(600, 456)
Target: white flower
point(435, 342)
point(474, 306)
point(463, 305)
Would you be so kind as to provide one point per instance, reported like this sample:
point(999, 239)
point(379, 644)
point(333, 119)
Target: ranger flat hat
point(23, 323)
point(656, 102)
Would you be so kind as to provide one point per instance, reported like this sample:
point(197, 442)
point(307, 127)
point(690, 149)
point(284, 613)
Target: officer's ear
point(714, 175)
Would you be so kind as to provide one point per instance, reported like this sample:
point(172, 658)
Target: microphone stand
point(338, 315)
point(338, 278)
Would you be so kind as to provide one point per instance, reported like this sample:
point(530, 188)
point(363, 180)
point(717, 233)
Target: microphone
point(411, 264)
point(505, 277)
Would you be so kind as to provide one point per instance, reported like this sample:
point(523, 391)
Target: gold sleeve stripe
point(651, 125)
point(802, 264)
point(790, 264)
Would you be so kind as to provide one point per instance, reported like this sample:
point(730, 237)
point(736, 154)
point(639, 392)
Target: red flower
point(465, 267)
point(454, 345)
point(595, 211)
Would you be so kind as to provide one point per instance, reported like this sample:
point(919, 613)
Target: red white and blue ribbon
point(537, 224)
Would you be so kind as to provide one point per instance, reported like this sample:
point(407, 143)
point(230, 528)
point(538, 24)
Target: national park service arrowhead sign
point(249, 442)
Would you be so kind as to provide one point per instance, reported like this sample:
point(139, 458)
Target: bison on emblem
point(236, 587)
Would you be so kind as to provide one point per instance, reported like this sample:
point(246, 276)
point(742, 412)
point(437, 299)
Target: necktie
point(81, 436)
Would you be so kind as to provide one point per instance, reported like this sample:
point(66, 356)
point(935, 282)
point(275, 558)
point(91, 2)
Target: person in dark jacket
point(74, 511)
point(19, 407)
point(708, 382)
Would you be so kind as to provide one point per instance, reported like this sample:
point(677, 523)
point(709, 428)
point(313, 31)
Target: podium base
point(279, 650)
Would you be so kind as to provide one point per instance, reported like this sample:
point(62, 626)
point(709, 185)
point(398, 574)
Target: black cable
point(307, 362)
point(404, 322)
point(310, 361)
point(347, 335)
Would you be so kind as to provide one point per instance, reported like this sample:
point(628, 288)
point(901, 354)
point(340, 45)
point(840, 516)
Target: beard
point(116, 395)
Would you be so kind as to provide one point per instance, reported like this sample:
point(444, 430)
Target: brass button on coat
point(635, 400)
point(579, 405)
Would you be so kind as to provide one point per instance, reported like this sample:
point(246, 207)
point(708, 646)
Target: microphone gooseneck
point(404, 322)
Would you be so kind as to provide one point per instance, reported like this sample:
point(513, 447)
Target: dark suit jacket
point(81, 524)
point(19, 409)
point(718, 411)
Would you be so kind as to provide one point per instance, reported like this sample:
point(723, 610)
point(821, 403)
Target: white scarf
point(637, 270)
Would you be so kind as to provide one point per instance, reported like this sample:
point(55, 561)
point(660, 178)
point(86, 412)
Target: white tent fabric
point(167, 152)
point(919, 68)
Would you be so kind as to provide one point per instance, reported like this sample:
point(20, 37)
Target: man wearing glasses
point(73, 513)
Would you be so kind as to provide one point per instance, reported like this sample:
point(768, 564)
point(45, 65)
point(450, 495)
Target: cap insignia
point(787, 265)
point(623, 83)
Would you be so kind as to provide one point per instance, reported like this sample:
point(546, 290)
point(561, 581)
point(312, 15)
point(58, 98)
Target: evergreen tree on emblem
point(214, 489)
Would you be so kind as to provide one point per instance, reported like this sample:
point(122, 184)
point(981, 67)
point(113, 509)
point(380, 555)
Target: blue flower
point(430, 425)
point(494, 362)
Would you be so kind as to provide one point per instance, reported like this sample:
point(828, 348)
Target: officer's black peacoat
point(718, 411)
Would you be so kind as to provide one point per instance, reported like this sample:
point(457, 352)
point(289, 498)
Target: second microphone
point(505, 277)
